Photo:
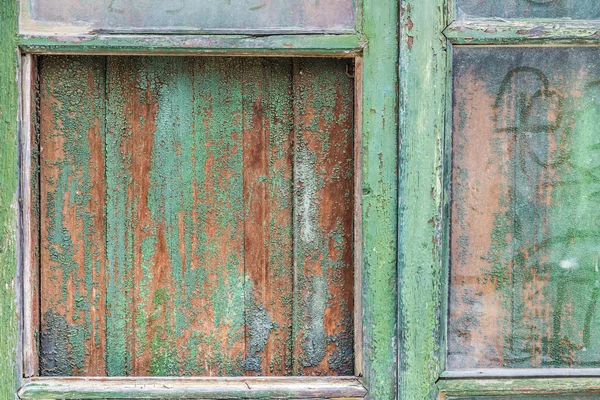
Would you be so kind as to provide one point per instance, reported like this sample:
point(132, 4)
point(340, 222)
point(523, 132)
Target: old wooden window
point(219, 224)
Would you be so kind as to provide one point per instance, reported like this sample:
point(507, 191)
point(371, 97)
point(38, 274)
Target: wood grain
point(72, 188)
point(323, 221)
point(268, 197)
point(195, 388)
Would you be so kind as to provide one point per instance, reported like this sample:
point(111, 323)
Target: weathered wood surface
point(378, 109)
point(210, 267)
point(422, 196)
point(188, 16)
point(345, 45)
point(540, 388)
point(72, 228)
point(525, 221)
point(10, 358)
point(332, 388)
point(30, 217)
point(323, 218)
point(498, 31)
point(571, 9)
point(268, 197)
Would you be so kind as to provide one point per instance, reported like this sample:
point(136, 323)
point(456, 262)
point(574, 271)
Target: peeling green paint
point(343, 45)
point(421, 193)
point(180, 299)
point(323, 248)
point(10, 369)
point(531, 32)
point(72, 92)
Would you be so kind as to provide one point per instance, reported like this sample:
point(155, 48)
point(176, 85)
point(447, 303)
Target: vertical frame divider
point(422, 125)
point(10, 289)
point(380, 198)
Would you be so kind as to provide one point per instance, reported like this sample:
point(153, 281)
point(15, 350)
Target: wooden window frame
point(426, 43)
point(374, 46)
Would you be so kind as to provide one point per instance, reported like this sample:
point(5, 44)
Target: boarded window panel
point(205, 269)
point(571, 9)
point(525, 278)
point(187, 15)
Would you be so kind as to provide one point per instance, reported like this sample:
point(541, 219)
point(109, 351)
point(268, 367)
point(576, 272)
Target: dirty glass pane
point(525, 235)
point(77, 16)
point(572, 9)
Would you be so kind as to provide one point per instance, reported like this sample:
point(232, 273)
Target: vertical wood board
point(72, 204)
point(423, 83)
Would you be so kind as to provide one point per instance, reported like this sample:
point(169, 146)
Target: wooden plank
point(119, 215)
point(323, 223)
point(10, 368)
point(72, 229)
point(423, 86)
point(268, 127)
point(520, 387)
point(291, 45)
point(30, 215)
point(517, 373)
point(182, 164)
point(194, 388)
point(525, 32)
point(218, 119)
point(380, 198)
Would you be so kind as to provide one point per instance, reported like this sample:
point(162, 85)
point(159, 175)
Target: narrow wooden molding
point(25, 140)
point(193, 388)
point(358, 225)
point(348, 45)
point(521, 373)
point(523, 32)
point(519, 386)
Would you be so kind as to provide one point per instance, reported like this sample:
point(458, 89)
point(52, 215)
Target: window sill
point(193, 388)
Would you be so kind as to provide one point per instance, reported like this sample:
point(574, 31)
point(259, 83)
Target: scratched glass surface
point(187, 15)
point(572, 9)
point(525, 235)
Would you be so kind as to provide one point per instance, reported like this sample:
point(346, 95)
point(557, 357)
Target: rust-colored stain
point(197, 216)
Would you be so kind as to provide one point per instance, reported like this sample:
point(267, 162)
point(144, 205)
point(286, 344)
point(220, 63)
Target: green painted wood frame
point(428, 32)
point(375, 47)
